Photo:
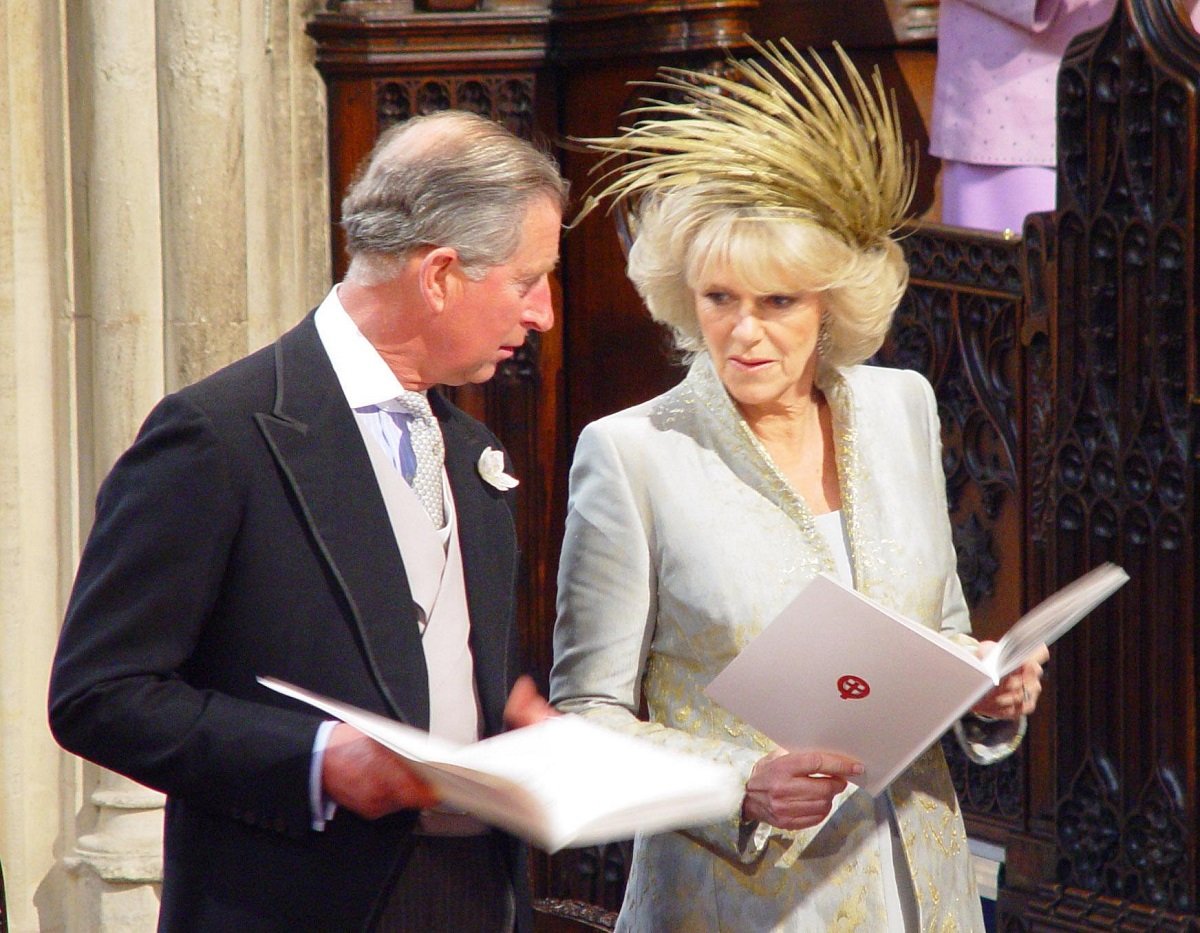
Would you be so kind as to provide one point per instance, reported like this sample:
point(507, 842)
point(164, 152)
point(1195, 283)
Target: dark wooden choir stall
point(1066, 362)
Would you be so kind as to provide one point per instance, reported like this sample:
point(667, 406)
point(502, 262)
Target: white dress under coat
point(682, 541)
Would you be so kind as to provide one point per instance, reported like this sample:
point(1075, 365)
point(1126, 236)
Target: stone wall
point(163, 210)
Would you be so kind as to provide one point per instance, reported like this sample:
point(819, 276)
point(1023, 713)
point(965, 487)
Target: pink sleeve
point(1027, 15)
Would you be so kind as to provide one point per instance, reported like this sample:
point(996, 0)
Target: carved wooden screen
point(1066, 371)
point(1112, 392)
point(960, 324)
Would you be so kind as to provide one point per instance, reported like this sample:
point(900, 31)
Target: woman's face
point(764, 346)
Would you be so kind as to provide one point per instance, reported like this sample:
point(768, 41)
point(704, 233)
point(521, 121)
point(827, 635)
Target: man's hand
point(364, 777)
point(525, 705)
point(1018, 692)
point(795, 790)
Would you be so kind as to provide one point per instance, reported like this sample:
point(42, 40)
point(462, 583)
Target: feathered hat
point(789, 141)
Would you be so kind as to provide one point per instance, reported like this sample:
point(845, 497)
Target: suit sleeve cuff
point(986, 741)
point(322, 807)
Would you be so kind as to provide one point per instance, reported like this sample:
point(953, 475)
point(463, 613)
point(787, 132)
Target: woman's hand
point(795, 790)
point(1018, 692)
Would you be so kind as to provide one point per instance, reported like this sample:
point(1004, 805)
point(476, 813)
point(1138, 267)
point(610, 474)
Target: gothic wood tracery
point(958, 324)
point(1112, 472)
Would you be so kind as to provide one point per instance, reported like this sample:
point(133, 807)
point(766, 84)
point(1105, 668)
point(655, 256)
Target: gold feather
point(786, 139)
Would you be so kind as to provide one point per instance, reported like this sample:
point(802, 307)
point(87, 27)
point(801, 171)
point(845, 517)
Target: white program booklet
point(838, 672)
point(561, 782)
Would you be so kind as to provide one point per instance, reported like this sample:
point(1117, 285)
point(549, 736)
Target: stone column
point(243, 177)
point(201, 106)
point(118, 376)
point(285, 145)
point(35, 480)
point(163, 209)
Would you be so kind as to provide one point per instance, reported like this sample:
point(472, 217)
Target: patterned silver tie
point(426, 438)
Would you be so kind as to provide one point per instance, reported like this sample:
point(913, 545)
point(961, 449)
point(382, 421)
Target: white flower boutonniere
point(491, 468)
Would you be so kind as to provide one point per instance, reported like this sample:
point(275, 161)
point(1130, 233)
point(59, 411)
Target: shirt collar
point(365, 378)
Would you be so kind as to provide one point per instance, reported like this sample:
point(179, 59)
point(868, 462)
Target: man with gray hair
point(316, 513)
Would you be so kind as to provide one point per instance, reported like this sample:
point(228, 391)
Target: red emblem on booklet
point(852, 687)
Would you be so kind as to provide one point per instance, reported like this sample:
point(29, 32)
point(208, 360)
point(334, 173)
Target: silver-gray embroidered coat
point(682, 542)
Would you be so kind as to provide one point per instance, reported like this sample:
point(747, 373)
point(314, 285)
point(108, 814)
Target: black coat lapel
point(317, 444)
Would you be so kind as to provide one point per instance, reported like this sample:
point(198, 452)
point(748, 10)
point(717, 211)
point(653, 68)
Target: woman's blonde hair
point(776, 169)
point(682, 233)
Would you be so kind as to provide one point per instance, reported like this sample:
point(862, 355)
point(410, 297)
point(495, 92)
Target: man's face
point(485, 321)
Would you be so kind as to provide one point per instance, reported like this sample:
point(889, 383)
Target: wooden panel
point(618, 356)
point(383, 66)
point(959, 325)
point(819, 23)
point(617, 30)
point(1112, 465)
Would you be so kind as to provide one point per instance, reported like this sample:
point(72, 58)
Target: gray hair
point(451, 179)
point(681, 233)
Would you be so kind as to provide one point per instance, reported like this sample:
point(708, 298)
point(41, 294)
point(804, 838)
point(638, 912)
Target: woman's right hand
point(795, 790)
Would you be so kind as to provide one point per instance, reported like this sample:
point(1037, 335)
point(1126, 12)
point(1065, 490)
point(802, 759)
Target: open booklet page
point(1052, 618)
point(838, 672)
point(561, 782)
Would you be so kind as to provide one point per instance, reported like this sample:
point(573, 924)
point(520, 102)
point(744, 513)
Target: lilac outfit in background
point(994, 100)
point(993, 104)
point(995, 197)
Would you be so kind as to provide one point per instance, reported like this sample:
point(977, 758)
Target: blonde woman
point(764, 244)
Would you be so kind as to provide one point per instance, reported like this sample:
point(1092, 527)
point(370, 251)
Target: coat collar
point(316, 442)
point(745, 455)
point(313, 436)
